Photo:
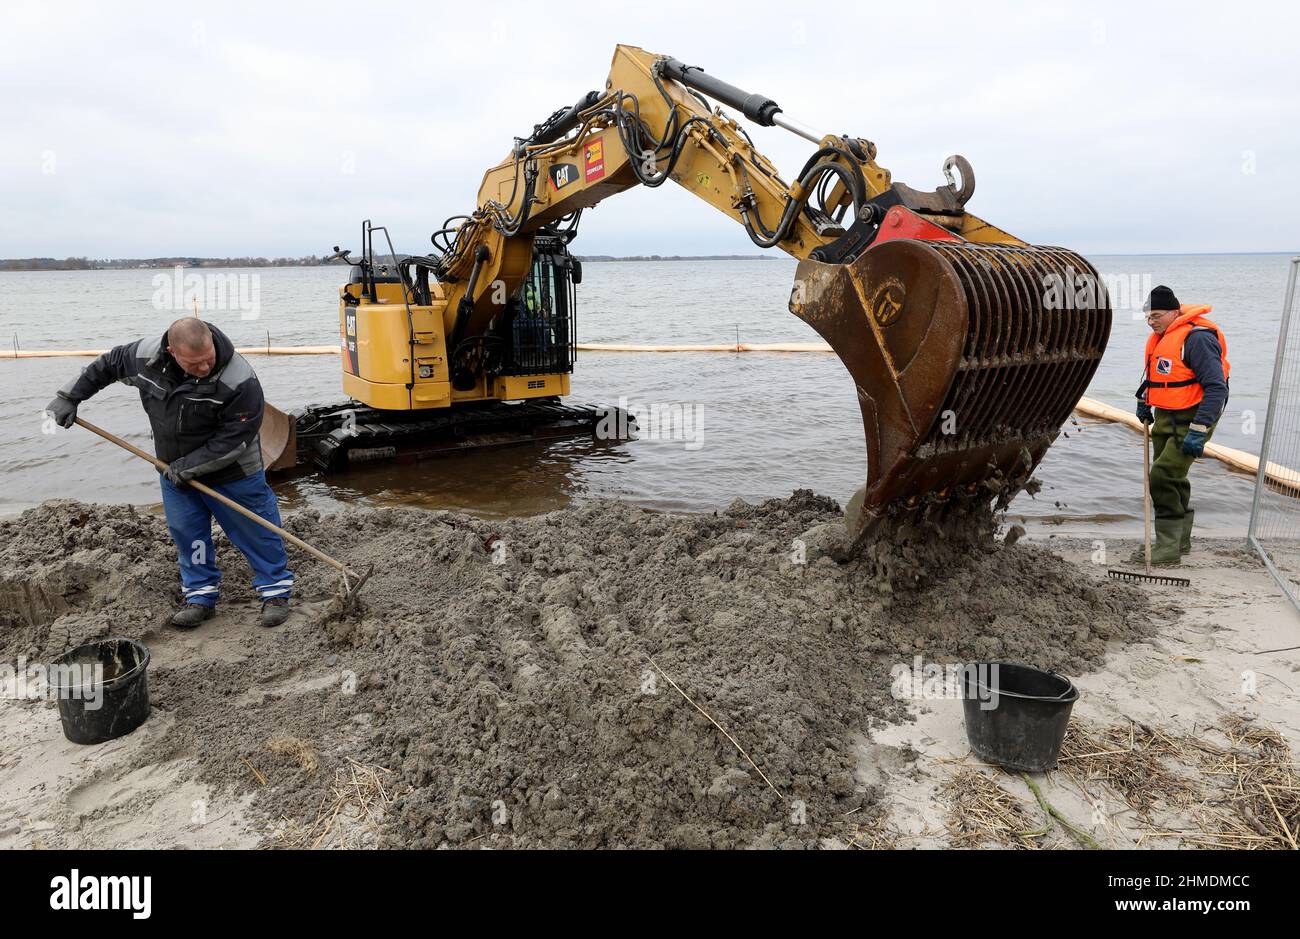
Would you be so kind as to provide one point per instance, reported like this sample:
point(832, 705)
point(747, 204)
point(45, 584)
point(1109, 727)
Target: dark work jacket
point(1201, 353)
point(207, 427)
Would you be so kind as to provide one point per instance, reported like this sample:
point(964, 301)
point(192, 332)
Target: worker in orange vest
point(1183, 393)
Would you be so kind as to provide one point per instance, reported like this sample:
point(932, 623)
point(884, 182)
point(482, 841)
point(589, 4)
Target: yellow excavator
point(967, 346)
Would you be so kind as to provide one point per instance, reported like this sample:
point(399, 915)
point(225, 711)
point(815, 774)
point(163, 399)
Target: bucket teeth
point(968, 359)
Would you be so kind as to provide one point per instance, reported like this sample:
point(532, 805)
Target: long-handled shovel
point(352, 581)
point(1148, 577)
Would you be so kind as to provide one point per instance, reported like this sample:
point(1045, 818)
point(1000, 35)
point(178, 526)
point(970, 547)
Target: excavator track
point(335, 438)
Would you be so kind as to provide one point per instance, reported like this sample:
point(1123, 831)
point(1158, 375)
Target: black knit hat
point(1162, 298)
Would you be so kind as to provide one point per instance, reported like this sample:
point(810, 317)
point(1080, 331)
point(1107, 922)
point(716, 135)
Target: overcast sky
point(139, 130)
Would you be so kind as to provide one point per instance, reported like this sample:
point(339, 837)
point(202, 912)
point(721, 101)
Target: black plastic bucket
point(1016, 715)
point(99, 705)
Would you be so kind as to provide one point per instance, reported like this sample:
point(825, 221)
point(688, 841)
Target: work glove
point(1194, 442)
point(178, 475)
point(1145, 414)
point(62, 410)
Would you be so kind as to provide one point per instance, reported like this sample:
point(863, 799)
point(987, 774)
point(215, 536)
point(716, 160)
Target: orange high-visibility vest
point(1169, 383)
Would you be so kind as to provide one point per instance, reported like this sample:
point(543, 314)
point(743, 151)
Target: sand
point(1207, 664)
point(524, 683)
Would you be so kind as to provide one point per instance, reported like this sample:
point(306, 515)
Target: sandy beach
point(605, 676)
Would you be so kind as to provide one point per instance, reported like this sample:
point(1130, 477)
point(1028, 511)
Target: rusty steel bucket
point(968, 359)
point(278, 438)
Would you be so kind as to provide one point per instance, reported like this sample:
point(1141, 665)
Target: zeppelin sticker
point(594, 159)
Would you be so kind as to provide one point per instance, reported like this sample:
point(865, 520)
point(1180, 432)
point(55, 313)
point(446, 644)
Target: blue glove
point(1145, 414)
point(1194, 442)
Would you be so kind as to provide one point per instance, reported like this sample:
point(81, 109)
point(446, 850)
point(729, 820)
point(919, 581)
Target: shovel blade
point(278, 439)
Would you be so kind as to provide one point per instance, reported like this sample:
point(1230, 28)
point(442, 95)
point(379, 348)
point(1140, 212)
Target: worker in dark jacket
point(205, 407)
point(1183, 393)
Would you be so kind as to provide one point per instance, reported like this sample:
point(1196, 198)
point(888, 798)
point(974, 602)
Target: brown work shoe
point(191, 615)
point(275, 611)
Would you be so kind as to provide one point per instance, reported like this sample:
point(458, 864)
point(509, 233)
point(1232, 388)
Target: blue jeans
point(189, 517)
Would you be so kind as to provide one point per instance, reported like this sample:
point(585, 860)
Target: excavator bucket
point(279, 439)
point(968, 358)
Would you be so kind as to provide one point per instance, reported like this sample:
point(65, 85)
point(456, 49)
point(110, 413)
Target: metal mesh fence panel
point(1274, 530)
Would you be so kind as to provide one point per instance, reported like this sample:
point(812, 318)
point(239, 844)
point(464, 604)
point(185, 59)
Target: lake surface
point(771, 422)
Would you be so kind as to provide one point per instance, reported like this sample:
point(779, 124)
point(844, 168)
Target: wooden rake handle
point(348, 575)
point(1146, 491)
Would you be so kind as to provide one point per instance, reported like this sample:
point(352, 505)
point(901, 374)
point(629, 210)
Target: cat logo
point(562, 174)
point(350, 361)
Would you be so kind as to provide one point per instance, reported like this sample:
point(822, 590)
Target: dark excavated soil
point(502, 670)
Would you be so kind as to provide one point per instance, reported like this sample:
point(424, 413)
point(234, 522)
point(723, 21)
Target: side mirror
point(575, 270)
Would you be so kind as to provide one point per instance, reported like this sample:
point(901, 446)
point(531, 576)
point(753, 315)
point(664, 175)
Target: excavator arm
point(967, 346)
point(650, 125)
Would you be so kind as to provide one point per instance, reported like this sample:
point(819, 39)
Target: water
point(772, 423)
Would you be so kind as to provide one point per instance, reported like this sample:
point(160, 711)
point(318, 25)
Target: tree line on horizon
point(111, 264)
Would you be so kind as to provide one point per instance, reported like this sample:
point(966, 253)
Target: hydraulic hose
point(466, 305)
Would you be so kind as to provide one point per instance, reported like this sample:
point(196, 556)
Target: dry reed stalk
point(981, 812)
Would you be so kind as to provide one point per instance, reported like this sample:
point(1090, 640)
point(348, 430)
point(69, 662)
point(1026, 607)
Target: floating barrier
point(95, 353)
point(1282, 478)
point(334, 350)
point(730, 347)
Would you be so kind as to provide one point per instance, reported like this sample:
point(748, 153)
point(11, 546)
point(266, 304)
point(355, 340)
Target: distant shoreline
point(683, 257)
point(126, 264)
point(131, 264)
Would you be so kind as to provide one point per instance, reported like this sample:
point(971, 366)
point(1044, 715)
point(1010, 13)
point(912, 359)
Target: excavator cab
point(535, 334)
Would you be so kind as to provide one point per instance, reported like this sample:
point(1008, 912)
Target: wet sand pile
point(83, 567)
point(517, 676)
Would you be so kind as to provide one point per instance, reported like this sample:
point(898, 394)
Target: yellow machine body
point(385, 369)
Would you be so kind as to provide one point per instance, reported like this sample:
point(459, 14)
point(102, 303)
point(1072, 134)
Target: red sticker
point(594, 159)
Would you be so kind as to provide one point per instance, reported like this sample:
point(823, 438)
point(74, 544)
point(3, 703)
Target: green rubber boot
point(1169, 535)
point(1185, 545)
point(1166, 550)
